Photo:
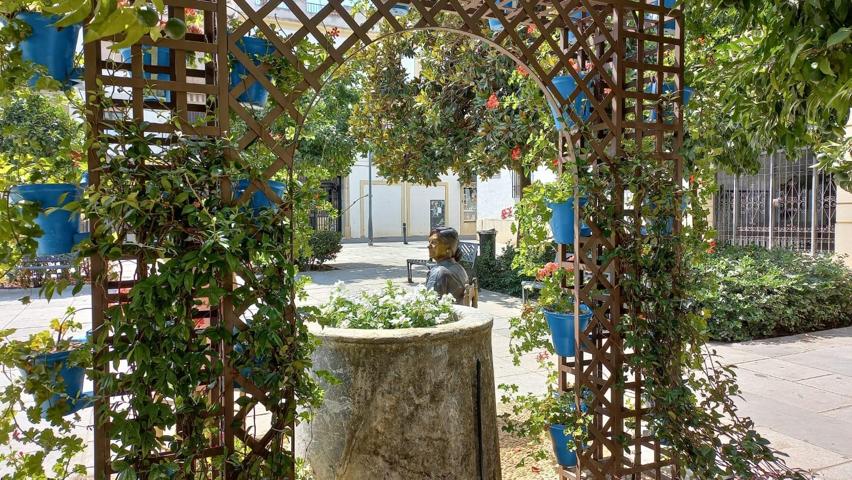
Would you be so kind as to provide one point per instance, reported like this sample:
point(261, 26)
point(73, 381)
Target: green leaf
point(796, 53)
point(839, 36)
point(824, 66)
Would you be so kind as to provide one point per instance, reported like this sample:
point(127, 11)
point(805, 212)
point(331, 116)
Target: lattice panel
point(612, 49)
point(633, 48)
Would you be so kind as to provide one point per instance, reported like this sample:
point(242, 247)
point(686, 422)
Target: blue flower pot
point(255, 48)
point(259, 200)
point(565, 85)
point(561, 327)
point(161, 57)
point(72, 381)
point(563, 446)
point(495, 24)
point(58, 227)
point(668, 26)
point(49, 46)
point(399, 9)
point(668, 227)
point(668, 89)
point(576, 17)
point(562, 221)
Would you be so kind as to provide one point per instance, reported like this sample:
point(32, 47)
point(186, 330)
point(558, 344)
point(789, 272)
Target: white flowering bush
point(391, 307)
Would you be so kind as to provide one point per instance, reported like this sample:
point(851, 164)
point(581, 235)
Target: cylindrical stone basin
point(415, 403)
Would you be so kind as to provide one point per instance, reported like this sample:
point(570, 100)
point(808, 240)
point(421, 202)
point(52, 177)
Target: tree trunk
point(525, 180)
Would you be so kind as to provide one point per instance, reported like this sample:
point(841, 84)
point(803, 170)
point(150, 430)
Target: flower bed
point(392, 307)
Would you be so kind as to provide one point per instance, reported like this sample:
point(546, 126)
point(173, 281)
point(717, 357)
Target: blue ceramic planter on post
point(259, 200)
point(72, 381)
point(49, 46)
point(255, 48)
point(565, 85)
point(576, 17)
point(561, 327)
point(162, 57)
point(668, 26)
point(59, 226)
point(562, 221)
point(563, 446)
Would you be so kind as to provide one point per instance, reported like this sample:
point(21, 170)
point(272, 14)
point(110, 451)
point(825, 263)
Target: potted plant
point(53, 366)
point(259, 200)
point(559, 198)
point(493, 23)
point(565, 86)
point(565, 426)
point(557, 304)
point(256, 48)
point(404, 361)
point(669, 91)
point(153, 56)
point(42, 175)
point(399, 9)
point(52, 43)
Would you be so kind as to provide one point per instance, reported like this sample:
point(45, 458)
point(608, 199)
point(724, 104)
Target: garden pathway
point(797, 389)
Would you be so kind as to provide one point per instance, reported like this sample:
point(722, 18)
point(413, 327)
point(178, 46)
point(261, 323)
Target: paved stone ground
point(797, 389)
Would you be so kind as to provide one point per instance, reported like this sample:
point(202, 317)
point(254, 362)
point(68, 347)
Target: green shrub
point(498, 275)
point(752, 293)
point(324, 245)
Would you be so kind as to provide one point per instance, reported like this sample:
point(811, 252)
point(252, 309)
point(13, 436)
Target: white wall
point(394, 204)
point(494, 195)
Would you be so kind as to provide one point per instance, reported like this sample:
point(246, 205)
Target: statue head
point(444, 244)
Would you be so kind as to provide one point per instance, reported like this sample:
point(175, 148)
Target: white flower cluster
point(391, 307)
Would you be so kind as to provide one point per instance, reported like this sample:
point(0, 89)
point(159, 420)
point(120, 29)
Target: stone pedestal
point(412, 404)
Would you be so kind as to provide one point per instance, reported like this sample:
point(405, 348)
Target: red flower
point(530, 29)
point(516, 152)
point(194, 29)
point(334, 32)
point(691, 179)
point(711, 246)
point(190, 11)
point(573, 63)
point(523, 71)
point(492, 102)
point(556, 162)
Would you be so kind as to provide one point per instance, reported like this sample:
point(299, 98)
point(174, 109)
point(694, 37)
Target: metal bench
point(469, 253)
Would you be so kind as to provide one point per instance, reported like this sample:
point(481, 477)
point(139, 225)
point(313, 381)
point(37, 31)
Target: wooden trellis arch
point(622, 50)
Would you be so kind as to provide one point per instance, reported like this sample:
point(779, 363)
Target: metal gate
point(325, 220)
point(787, 204)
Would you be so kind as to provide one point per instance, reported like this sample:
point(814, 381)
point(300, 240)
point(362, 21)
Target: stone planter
point(415, 403)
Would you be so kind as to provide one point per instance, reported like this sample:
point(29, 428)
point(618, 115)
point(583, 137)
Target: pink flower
point(607, 91)
point(530, 29)
point(334, 32)
point(507, 213)
point(493, 102)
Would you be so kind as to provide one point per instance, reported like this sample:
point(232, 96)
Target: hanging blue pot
point(399, 9)
point(49, 46)
point(563, 446)
point(495, 24)
point(562, 221)
point(259, 200)
point(561, 327)
point(162, 57)
point(255, 48)
point(72, 378)
point(565, 85)
point(668, 227)
point(668, 26)
point(576, 17)
point(668, 89)
point(59, 226)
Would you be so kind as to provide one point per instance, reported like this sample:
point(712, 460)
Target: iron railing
point(787, 204)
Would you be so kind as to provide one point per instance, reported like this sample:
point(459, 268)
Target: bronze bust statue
point(447, 277)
